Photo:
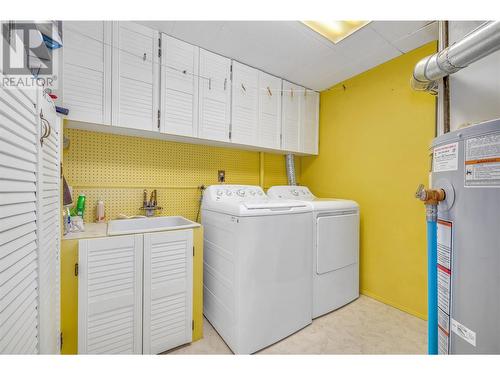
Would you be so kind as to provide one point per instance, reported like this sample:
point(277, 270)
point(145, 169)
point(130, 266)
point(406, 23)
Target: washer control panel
point(234, 193)
point(290, 192)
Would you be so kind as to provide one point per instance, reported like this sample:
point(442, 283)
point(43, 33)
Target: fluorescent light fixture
point(335, 31)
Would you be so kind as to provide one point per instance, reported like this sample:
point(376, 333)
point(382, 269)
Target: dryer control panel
point(290, 192)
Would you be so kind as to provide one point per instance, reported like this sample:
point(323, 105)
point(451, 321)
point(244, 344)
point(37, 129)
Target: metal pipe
point(479, 43)
point(432, 305)
point(290, 169)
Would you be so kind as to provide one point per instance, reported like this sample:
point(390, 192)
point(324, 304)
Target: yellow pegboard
point(117, 168)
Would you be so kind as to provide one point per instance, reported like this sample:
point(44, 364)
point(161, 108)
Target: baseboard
point(393, 304)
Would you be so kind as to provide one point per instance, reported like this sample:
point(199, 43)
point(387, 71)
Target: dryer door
point(337, 243)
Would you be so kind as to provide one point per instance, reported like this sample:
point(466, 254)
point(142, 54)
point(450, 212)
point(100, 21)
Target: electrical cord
point(202, 189)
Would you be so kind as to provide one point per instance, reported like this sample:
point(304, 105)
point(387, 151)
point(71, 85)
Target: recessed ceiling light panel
point(335, 31)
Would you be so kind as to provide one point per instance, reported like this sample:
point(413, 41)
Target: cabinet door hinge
point(231, 73)
point(192, 325)
point(193, 250)
point(158, 119)
point(159, 47)
point(76, 269)
point(60, 341)
point(230, 134)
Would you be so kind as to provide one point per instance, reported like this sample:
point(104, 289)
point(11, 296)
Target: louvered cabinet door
point(18, 214)
point(86, 71)
point(179, 92)
point(168, 290)
point(310, 123)
point(110, 295)
point(245, 102)
point(49, 229)
point(269, 111)
point(291, 106)
point(135, 81)
point(214, 96)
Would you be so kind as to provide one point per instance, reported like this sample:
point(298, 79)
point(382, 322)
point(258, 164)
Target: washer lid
point(244, 200)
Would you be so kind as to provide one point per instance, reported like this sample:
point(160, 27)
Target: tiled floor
point(365, 326)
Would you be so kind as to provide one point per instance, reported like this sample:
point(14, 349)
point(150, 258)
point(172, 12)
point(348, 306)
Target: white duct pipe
point(290, 169)
point(474, 46)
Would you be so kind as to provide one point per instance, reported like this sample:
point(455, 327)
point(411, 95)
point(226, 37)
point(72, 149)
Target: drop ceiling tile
point(394, 30)
point(419, 38)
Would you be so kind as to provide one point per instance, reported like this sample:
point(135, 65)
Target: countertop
point(92, 230)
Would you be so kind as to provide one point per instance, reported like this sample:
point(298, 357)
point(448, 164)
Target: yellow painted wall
point(118, 168)
point(374, 138)
point(69, 291)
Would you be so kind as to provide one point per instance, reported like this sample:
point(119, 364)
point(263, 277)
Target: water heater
point(466, 165)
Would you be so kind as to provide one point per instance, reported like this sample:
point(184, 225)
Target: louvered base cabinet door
point(168, 290)
point(110, 295)
point(18, 215)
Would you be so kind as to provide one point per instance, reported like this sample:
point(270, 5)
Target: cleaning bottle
point(100, 211)
point(80, 205)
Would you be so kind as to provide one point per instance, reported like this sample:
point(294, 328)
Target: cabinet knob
point(269, 91)
point(144, 57)
point(243, 87)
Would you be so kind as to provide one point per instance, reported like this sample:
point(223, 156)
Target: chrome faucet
point(150, 206)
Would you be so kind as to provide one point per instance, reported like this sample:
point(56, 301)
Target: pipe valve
point(430, 196)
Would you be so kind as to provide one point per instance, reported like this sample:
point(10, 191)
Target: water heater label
point(444, 257)
point(443, 332)
point(445, 158)
point(464, 332)
point(482, 161)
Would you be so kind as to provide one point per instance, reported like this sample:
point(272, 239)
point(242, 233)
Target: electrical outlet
point(221, 176)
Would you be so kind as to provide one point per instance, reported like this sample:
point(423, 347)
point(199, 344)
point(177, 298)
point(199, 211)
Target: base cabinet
point(168, 286)
point(135, 293)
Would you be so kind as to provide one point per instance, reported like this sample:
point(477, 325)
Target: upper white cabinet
point(130, 76)
point(214, 96)
point(110, 295)
point(310, 121)
point(135, 76)
point(179, 87)
point(86, 71)
point(168, 290)
point(269, 111)
point(293, 97)
point(245, 104)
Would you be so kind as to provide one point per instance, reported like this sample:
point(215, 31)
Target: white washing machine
point(257, 280)
point(335, 247)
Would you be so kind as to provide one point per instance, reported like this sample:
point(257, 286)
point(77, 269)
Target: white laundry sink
point(149, 224)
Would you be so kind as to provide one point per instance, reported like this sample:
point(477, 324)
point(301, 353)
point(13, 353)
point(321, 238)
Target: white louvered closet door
point(269, 111)
point(49, 229)
point(135, 82)
point(110, 295)
point(86, 71)
point(291, 106)
point(214, 96)
point(18, 228)
point(179, 95)
point(310, 122)
point(245, 104)
point(168, 290)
